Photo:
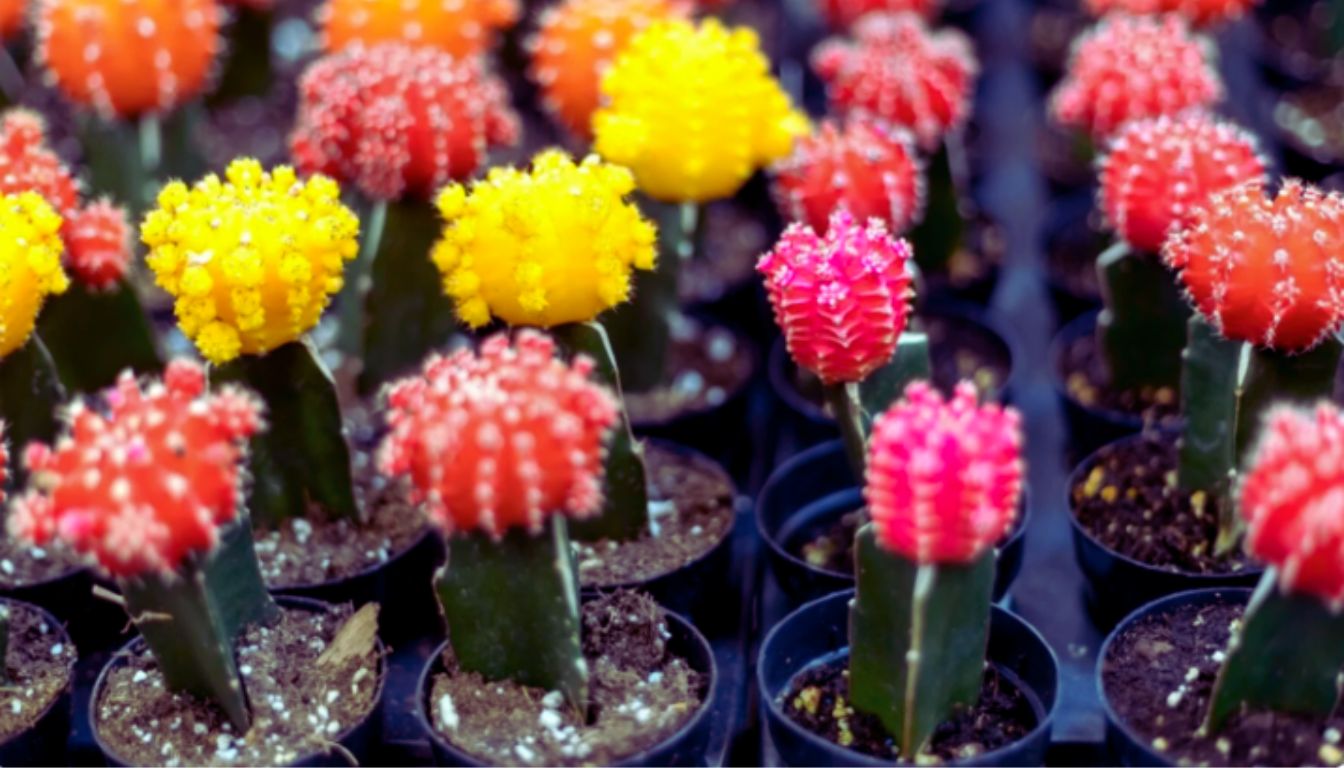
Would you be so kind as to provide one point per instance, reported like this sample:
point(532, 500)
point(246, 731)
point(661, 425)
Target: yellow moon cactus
point(554, 244)
point(252, 260)
point(693, 110)
point(30, 265)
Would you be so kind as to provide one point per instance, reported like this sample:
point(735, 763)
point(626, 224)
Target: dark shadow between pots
point(43, 742)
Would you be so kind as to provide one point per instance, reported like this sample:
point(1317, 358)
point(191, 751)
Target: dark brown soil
point(1159, 676)
point(691, 503)
point(298, 707)
point(22, 565)
point(708, 365)
point(818, 700)
point(39, 663)
point(1084, 373)
point(640, 695)
point(1130, 503)
point(734, 238)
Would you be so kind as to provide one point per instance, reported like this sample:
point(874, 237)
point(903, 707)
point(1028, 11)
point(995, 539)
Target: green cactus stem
point(405, 312)
point(1285, 656)
point(1142, 329)
point(512, 609)
point(125, 337)
point(30, 398)
point(855, 406)
point(130, 161)
point(917, 639)
point(247, 70)
point(940, 233)
point(1274, 377)
point(1210, 380)
point(625, 511)
point(302, 459)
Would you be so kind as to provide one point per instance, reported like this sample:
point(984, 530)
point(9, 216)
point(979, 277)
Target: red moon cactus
point(842, 14)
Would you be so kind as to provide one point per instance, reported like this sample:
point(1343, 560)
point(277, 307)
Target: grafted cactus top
point(30, 264)
point(842, 14)
point(944, 477)
point(11, 17)
point(1198, 12)
point(463, 28)
point(251, 259)
point(146, 482)
point(501, 439)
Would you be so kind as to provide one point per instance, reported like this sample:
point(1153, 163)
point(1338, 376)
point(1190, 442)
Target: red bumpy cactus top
point(399, 121)
point(501, 439)
point(842, 300)
point(11, 17)
point(1158, 169)
point(1292, 498)
point(863, 166)
point(1131, 67)
point(896, 69)
point(1269, 271)
point(147, 483)
point(96, 237)
point(841, 14)
point(463, 28)
point(944, 477)
point(1198, 12)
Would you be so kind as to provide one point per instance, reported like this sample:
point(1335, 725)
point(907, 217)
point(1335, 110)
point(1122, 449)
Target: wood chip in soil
point(39, 660)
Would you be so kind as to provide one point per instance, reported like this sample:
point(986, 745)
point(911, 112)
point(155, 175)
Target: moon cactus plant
point(503, 448)
point(463, 28)
point(842, 14)
point(1202, 13)
point(944, 480)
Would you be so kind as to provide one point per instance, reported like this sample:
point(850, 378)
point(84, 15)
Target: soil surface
point(39, 663)
point(833, 548)
point(691, 503)
point(708, 365)
point(1129, 502)
point(818, 700)
point(21, 564)
point(640, 695)
point(298, 706)
point(1083, 370)
point(735, 237)
point(1159, 676)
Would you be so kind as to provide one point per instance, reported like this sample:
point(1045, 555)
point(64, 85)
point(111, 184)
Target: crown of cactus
point(97, 242)
point(693, 110)
point(1265, 270)
point(145, 484)
point(30, 260)
point(944, 477)
point(1131, 67)
point(11, 17)
point(550, 245)
point(862, 166)
point(501, 439)
point(842, 14)
point(461, 27)
point(896, 69)
point(575, 44)
point(1157, 169)
point(1198, 12)
point(129, 57)
point(842, 299)
point(397, 120)
point(251, 260)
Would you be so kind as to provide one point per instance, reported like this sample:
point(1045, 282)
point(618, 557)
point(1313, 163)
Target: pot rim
point(70, 668)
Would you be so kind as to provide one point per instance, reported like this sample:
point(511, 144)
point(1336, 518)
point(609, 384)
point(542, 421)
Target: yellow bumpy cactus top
point(252, 260)
point(552, 245)
point(694, 111)
point(30, 264)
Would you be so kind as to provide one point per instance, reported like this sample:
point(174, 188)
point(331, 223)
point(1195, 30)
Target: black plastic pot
point(810, 491)
point(1118, 584)
point(686, 747)
point(1126, 746)
point(360, 740)
point(93, 624)
point(44, 742)
point(817, 633)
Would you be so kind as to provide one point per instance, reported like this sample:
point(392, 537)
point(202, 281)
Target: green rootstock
point(512, 609)
point(625, 510)
point(1142, 329)
point(1274, 377)
point(940, 232)
point(917, 639)
point(856, 406)
point(125, 339)
point(1210, 380)
point(247, 70)
point(301, 459)
point(30, 396)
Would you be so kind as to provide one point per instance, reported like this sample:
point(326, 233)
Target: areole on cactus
point(464, 28)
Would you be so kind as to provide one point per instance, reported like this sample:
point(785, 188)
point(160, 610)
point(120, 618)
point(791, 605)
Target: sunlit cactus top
point(1292, 497)
point(863, 166)
point(842, 14)
point(1157, 169)
point(127, 58)
point(1131, 67)
point(553, 244)
point(251, 259)
point(399, 121)
point(1265, 270)
point(575, 44)
point(1198, 12)
point(460, 27)
point(896, 69)
point(30, 264)
point(944, 478)
point(841, 300)
point(502, 439)
point(693, 110)
point(144, 482)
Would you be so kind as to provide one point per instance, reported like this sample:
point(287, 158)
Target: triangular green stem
point(233, 577)
point(855, 406)
point(125, 339)
point(350, 301)
point(1142, 328)
point(939, 234)
point(1210, 380)
point(1274, 377)
point(30, 398)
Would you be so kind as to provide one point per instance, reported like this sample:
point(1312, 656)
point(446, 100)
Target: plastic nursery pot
point(94, 624)
point(686, 747)
point(1126, 746)
point(1117, 583)
point(359, 740)
point(806, 495)
point(43, 742)
point(817, 633)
